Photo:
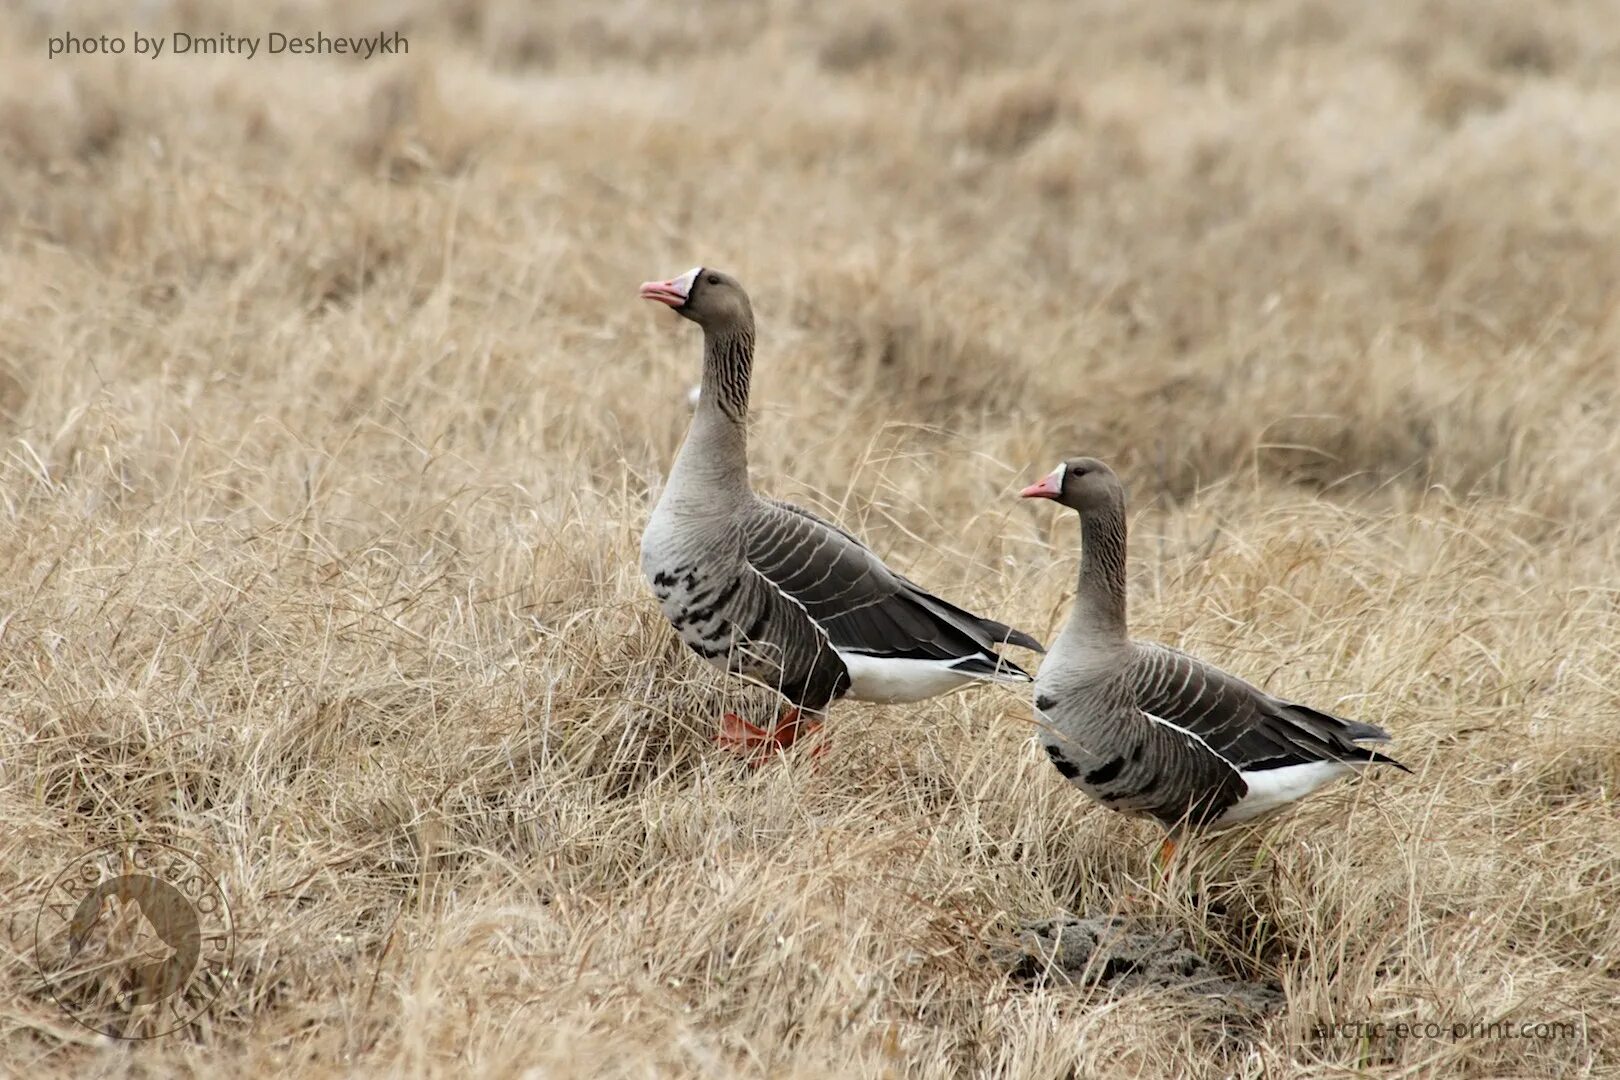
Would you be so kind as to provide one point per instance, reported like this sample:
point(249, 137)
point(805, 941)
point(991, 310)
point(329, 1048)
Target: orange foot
point(759, 745)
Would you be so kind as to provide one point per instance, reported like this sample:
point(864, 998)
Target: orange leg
point(1167, 852)
point(759, 744)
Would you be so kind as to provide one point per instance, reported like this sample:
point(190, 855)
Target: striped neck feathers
point(711, 470)
point(1099, 608)
point(728, 364)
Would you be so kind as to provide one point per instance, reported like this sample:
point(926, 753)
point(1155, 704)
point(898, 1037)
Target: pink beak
point(1047, 487)
point(665, 292)
point(674, 292)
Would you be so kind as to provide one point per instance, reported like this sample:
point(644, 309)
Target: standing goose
point(770, 591)
point(1148, 730)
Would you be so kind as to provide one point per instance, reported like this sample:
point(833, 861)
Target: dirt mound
point(1113, 953)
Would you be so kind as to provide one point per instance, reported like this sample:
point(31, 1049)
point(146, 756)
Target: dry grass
point(330, 422)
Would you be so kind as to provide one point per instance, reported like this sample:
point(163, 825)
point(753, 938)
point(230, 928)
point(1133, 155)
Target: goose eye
point(712, 280)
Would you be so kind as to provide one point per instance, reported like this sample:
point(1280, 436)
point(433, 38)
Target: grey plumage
point(1148, 730)
point(768, 590)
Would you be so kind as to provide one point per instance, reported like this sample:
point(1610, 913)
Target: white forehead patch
point(1056, 475)
point(684, 283)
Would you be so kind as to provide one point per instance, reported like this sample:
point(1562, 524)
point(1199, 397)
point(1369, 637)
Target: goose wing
point(1246, 727)
point(859, 603)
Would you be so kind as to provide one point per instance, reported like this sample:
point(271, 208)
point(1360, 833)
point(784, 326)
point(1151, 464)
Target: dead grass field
point(329, 421)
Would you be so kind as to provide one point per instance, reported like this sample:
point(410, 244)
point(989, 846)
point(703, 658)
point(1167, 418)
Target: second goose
point(1148, 730)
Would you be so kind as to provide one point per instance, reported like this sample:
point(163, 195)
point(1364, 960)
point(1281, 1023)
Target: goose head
point(708, 297)
point(1083, 483)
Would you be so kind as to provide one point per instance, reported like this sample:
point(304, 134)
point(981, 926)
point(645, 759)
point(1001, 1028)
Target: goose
point(768, 591)
point(1150, 731)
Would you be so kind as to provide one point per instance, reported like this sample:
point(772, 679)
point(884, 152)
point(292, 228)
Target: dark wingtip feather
point(1363, 755)
point(1006, 635)
point(1384, 759)
point(1018, 637)
point(1353, 730)
point(993, 632)
point(991, 664)
point(1359, 732)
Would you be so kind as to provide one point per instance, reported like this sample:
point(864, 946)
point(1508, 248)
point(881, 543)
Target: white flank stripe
point(794, 600)
point(889, 680)
point(1195, 737)
point(1270, 789)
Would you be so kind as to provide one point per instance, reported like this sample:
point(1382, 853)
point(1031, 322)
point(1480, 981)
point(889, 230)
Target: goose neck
point(1099, 609)
point(728, 366)
point(711, 470)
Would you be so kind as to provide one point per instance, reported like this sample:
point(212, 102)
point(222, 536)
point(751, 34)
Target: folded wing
point(863, 606)
point(1244, 725)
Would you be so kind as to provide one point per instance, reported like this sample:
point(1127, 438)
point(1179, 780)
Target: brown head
point(1089, 486)
point(1083, 483)
point(709, 298)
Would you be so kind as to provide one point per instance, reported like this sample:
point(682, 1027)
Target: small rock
point(1111, 952)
